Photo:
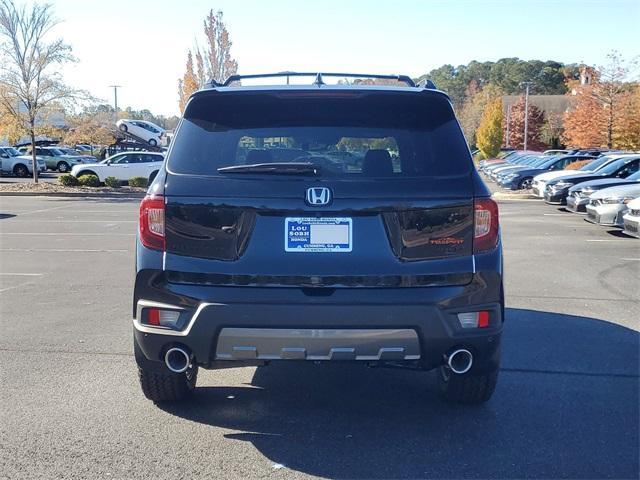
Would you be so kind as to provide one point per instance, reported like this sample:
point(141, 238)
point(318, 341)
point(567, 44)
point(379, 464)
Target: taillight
point(152, 222)
point(486, 226)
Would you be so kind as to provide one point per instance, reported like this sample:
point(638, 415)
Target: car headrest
point(377, 163)
point(258, 156)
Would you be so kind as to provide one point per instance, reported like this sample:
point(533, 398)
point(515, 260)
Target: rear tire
point(63, 167)
point(167, 387)
point(526, 184)
point(20, 171)
point(468, 388)
point(153, 142)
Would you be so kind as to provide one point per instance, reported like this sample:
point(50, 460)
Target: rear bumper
point(631, 225)
point(418, 325)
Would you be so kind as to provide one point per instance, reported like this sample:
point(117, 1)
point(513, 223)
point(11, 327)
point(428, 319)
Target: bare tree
point(217, 55)
point(30, 83)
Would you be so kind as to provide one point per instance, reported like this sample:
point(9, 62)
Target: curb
point(513, 196)
point(124, 196)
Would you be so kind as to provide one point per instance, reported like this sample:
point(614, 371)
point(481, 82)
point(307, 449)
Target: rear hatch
point(319, 188)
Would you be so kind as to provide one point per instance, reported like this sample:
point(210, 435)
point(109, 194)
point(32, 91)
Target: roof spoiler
point(318, 78)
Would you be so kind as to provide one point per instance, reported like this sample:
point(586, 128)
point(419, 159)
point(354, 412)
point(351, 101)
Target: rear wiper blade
point(291, 168)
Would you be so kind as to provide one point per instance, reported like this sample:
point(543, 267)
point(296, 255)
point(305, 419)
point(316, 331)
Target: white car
point(123, 166)
point(146, 131)
point(540, 181)
point(12, 162)
point(631, 219)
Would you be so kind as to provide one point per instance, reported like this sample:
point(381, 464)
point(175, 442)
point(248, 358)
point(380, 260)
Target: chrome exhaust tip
point(177, 360)
point(460, 361)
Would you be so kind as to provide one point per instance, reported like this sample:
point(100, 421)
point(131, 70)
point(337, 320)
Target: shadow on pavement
point(566, 406)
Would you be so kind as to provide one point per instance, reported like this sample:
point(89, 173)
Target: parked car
point(607, 206)
point(631, 219)
point(19, 165)
point(504, 161)
point(146, 131)
point(578, 197)
point(123, 166)
point(56, 159)
point(521, 162)
point(522, 178)
point(539, 183)
point(244, 262)
point(81, 156)
point(557, 190)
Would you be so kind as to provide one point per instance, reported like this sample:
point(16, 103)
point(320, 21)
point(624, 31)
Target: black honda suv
point(319, 223)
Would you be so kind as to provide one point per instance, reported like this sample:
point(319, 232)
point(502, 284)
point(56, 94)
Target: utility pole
point(508, 141)
point(115, 101)
point(527, 85)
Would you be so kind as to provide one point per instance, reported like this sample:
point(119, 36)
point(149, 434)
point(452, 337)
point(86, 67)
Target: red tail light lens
point(486, 225)
point(152, 222)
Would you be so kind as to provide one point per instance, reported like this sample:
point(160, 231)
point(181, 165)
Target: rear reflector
point(152, 222)
point(474, 319)
point(486, 226)
point(160, 317)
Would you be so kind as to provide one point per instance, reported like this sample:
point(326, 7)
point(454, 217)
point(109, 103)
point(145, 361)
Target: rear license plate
point(317, 235)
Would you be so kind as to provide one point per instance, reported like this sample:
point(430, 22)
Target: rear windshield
point(347, 135)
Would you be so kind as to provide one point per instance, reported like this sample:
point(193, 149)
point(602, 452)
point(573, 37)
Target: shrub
point(68, 180)
point(577, 165)
point(112, 182)
point(138, 182)
point(89, 181)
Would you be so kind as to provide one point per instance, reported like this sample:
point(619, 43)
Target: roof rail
point(426, 83)
point(317, 75)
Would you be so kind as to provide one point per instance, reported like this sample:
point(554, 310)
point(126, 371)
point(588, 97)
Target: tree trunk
point(34, 161)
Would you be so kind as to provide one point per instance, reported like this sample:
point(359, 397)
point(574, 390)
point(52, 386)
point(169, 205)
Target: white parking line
point(21, 274)
point(15, 286)
point(631, 259)
point(555, 214)
point(63, 234)
point(72, 250)
point(607, 240)
point(16, 219)
point(44, 210)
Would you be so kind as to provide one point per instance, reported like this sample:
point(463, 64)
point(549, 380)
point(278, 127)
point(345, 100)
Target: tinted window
point(613, 167)
point(345, 133)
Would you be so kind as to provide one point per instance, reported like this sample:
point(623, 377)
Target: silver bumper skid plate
point(317, 344)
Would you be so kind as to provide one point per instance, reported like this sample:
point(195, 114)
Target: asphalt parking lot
point(566, 404)
point(48, 176)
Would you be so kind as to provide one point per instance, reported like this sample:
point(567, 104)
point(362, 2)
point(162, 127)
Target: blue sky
point(142, 44)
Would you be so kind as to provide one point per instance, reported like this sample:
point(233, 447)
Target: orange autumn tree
point(628, 135)
point(602, 107)
point(214, 62)
point(534, 128)
point(188, 83)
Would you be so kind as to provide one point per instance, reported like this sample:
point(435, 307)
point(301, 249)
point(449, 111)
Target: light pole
point(508, 140)
point(115, 100)
point(527, 85)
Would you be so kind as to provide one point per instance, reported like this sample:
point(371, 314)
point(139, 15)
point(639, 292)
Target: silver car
point(608, 206)
point(580, 195)
point(632, 219)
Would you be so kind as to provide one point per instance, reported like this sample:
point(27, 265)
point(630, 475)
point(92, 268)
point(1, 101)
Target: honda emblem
point(318, 196)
